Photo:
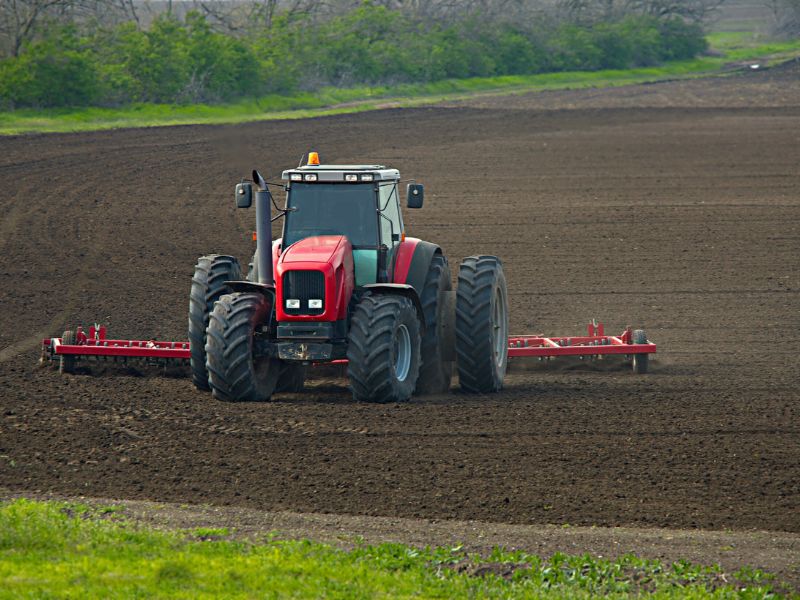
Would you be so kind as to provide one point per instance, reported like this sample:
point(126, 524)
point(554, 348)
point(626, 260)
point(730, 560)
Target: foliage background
point(185, 60)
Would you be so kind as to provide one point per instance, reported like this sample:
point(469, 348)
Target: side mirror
point(244, 194)
point(415, 195)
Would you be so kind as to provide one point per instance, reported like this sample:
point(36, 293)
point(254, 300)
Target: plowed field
point(680, 216)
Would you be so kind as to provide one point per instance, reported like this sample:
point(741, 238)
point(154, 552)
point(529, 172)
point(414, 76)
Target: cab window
point(391, 222)
point(332, 209)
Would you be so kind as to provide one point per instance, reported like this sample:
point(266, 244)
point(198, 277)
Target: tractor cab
point(359, 202)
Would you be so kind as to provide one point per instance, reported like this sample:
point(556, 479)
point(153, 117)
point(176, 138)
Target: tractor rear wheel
point(208, 284)
point(66, 363)
point(435, 370)
point(640, 361)
point(481, 324)
point(383, 349)
point(235, 371)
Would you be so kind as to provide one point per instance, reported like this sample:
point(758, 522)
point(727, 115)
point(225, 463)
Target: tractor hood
point(315, 268)
point(317, 249)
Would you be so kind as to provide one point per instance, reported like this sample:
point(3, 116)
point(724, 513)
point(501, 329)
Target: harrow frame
point(595, 343)
point(94, 344)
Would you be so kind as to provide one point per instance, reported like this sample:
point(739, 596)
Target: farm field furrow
point(682, 217)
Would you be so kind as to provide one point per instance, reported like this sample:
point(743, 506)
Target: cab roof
point(336, 173)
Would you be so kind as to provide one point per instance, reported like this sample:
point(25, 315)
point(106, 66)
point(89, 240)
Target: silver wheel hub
point(402, 353)
point(499, 328)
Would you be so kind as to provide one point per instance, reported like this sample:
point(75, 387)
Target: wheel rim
point(402, 353)
point(499, 328)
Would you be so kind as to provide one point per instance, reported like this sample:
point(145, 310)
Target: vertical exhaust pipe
point(264, 236)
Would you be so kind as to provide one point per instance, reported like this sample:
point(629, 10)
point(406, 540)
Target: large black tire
point(481, 324)
point(292, 379)
point(384, 348)
point(208, 284)
point(435, 372)
point(640, 361)
point(66, 363)
point(234, 373)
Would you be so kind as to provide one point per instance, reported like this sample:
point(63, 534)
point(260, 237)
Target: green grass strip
point(63, 550)
point(736, 47)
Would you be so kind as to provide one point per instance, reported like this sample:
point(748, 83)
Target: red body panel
point(333, 256)
point(276, 254)
point(402, 260)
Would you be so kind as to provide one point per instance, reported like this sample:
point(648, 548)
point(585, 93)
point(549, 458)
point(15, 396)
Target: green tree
point(58, 70)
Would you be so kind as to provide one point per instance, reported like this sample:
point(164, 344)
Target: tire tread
point(208, 284)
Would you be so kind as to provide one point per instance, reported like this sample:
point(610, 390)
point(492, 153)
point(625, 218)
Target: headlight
point(367, 177)
point(296, 177)
point(292, 303)
point(315, 303)
point(310, 177)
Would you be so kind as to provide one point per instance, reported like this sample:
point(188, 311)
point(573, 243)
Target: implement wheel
point(235, 371)
point(481, 324)
point(208, 284)
point(640, 361)
point(66, 363)
point(383, 349)
point(436, 368)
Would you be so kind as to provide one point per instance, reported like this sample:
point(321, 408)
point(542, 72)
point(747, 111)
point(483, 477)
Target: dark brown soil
point(684, 220)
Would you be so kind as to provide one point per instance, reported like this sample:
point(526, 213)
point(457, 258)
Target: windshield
point(332, 209)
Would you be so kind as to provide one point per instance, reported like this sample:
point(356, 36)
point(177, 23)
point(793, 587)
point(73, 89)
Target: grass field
point(730, 47)
point(57, 549)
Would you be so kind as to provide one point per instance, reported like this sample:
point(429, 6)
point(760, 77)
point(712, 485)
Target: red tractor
point(344, 282)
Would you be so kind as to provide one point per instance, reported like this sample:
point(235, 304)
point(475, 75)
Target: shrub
point(55, 71)
point(178, 61)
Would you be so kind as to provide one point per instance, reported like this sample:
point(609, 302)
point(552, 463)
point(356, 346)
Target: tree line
point(116, 52)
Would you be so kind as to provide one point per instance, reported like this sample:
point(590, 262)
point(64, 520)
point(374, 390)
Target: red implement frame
point(595, 343)
point(95, 344)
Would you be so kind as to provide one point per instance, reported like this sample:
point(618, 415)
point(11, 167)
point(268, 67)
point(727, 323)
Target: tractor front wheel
point(383, 349)
point(235, 371)
point(481, 324)
point(208, 284)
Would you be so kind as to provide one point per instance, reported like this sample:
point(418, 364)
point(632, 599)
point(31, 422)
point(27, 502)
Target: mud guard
point(400, 289)
point(413, 262)
point(253, 286)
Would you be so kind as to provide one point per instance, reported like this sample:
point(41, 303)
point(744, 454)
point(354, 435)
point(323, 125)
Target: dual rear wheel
point(481, 324)
point(385, 328)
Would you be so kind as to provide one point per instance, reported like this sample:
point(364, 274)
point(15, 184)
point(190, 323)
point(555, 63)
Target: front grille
point(303, 286)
